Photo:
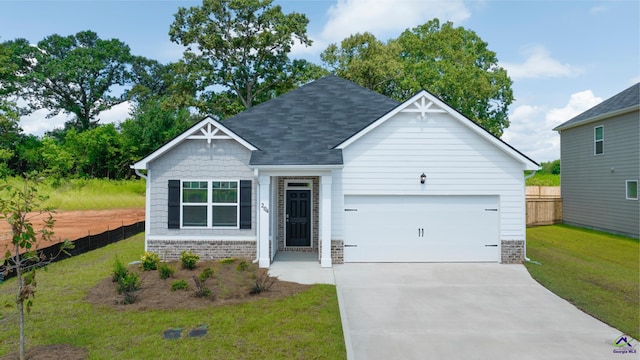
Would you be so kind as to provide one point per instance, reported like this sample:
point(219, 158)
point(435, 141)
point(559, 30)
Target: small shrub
point(227, 261)
point(205, 274)
point(119, 270)
point(165, 271)
point(201, 289)
point(179, 285)
point(188, 260)
point(128, 283)
point(149, 261)
point(263, 283)
point(242, 266)
point(128, 286)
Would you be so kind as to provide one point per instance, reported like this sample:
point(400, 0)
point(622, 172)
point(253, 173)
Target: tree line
point(237, 55)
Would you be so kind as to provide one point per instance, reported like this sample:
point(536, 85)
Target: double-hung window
point(632, 189)
point(210, 204)
point(598, 140)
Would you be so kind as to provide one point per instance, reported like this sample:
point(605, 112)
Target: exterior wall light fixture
point(423, 177)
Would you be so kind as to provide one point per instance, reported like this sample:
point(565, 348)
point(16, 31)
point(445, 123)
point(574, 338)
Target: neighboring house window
point(210, 204)
point(632, 189)
point(598, 138)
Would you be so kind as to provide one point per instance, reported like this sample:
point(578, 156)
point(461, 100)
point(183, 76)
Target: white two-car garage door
point(421, 228)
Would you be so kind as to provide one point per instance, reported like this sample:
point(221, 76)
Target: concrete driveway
point(462, 311)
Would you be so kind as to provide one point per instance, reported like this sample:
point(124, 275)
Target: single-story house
point(600, 165)
point(338, 170)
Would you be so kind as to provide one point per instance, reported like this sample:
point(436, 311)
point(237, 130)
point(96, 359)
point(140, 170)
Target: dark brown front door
point(298, 218)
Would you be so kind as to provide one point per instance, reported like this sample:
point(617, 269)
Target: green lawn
point(305, 326)
point(597, 272)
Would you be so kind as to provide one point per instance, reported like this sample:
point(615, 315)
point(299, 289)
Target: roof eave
point(597, 118)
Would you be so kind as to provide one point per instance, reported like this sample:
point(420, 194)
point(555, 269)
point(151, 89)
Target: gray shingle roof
point(302, 126)
point(623, 100)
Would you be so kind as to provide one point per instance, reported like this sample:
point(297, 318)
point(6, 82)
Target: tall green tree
point(453, 63)
point(76, 74)
point(151, 125)
point(241, 46)
point(367, 61)
point(10, 135)
point(456, 64)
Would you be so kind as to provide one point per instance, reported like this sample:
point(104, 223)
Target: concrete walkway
point(462, 311)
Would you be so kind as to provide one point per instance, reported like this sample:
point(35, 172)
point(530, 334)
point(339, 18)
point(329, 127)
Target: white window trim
point(626, 189)
point(595, 141)
point(210, 204)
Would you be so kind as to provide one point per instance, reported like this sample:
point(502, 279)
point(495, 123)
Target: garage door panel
point(421, 228)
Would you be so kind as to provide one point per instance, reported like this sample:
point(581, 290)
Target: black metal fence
point(88, 243)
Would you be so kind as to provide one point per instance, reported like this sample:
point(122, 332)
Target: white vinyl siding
point(457, 161)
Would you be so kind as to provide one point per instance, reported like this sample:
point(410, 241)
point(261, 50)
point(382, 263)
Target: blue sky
point(563, 56)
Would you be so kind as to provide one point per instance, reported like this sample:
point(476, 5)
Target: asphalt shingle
point(303, 126)
point(623, 100)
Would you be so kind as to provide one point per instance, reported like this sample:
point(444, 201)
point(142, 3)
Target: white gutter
point(140, 174)
point(525, 236)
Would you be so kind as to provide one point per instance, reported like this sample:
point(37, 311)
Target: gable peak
point(422, 105)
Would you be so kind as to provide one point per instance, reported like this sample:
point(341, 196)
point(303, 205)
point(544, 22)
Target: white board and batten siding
point(458, 163)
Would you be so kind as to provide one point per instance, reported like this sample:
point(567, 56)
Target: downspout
point(525, 241)
point(255, 175)
point(140, 174)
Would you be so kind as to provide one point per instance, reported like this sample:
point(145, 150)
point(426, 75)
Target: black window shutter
point(245, 204)
point(174, 204)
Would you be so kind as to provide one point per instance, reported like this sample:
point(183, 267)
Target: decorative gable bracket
point(208, 132)
point(423, 106)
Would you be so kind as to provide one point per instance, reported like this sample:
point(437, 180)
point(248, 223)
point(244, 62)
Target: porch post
point(325, 220)
point(263, 207)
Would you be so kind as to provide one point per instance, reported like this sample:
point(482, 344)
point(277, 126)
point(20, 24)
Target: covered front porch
point(294, 216)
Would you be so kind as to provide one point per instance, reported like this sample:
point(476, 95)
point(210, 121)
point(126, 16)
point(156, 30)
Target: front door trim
point(298, 184)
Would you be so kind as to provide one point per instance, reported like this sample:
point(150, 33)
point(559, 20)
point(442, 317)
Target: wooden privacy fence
point(544, 205)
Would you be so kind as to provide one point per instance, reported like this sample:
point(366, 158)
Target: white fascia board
point(528, 163)
point(193, 130)
point(294, 170)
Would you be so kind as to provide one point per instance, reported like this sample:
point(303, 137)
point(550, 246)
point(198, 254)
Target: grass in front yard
point(305, 326)
point(596, 271)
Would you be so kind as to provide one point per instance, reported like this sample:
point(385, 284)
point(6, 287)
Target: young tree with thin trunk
point(17, 205)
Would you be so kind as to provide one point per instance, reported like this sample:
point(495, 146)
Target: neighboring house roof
point(303, 126)
point(625, 101)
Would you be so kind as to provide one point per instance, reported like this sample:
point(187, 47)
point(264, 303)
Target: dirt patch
point(73, 225)
point(228, 285)
point(51, 352)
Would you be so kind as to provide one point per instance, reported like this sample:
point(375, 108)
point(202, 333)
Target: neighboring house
point(600, 165)
point(341, 171)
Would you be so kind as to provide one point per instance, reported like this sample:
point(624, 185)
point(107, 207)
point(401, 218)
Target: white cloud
point(386, 17)
point(531, 126)
point(116, 114)
point(540, 64)
point(598, 9)
point(38, 124)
